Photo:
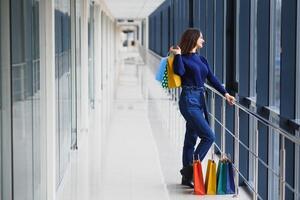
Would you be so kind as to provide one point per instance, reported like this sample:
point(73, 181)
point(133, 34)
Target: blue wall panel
point(244, 68)
point(210, 32)
point(262, 89)
point(165, 32)
point(218, 58)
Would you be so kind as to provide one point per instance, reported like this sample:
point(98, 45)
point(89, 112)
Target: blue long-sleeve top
point(194, 69)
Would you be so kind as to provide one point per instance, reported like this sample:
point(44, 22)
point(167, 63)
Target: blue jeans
point(192, 107)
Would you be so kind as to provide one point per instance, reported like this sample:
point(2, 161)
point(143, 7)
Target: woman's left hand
point(230, 99)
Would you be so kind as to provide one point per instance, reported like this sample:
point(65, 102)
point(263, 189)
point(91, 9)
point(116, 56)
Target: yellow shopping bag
point(174, 80)
point(211, 178)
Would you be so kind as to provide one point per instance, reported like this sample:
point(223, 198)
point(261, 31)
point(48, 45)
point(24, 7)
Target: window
point(25, 73)
point(275, 48)
point(252, 91)
point(237, 41)
point(76, 70)
point(5, 104)
point(253, 51)
point(63, 86)
point(91, 27)
point(274, 92)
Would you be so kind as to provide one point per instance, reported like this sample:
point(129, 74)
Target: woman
point(194, 70)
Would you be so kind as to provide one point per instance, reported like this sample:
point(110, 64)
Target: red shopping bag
point(199, 187)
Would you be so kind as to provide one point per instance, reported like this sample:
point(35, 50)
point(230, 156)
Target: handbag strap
point(194, 157)
point(212, 152)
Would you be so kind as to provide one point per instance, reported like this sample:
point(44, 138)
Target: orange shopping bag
point(199, 187)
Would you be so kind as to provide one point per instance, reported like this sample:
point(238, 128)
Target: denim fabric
point(192, 107)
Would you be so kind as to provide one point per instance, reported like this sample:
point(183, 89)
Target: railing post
point(255, 178)
point(173, 116)
point(177, 119)
point(223, 136)
point(212, 121)
point(282, 169)
point(236, 147)
point(297, 168)
point(169, 111)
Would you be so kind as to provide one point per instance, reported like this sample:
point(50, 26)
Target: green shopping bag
point(164, 82)
point(221, 177)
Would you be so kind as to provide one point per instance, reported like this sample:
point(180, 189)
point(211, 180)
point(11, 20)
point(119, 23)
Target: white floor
point(136, 160)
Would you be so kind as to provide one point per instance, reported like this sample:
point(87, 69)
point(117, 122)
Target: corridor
point(89, 111)
point(138, 159)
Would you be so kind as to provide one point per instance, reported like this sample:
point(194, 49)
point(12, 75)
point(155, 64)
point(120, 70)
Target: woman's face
point(200, 41)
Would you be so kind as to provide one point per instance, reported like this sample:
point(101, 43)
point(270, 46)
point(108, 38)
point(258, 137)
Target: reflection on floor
point(133, 160)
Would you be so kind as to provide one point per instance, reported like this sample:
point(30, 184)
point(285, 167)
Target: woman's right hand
point(176, 50)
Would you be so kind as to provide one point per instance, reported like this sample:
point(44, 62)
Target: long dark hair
point(189, 40)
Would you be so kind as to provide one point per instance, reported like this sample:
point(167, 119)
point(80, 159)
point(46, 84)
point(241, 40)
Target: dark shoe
point(187, 172)
point(187, 182)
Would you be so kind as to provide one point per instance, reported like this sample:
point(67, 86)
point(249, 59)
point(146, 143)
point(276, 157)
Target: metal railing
point(284, 135)
point(175, 124)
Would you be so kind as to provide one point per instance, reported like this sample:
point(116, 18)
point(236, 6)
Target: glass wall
point(91, 27)
point(63, 85)
point(76, 71)
point(103, 57)
point(275, 50)
point(25, 71)
point(263, 71)
point(5, 104)
point(252, 91)
point(253, 51)
point(274, 91)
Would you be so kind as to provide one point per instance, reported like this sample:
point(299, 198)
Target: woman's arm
point(178, 64)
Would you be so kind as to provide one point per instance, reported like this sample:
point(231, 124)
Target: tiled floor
point(131, 163)
point(138, 160)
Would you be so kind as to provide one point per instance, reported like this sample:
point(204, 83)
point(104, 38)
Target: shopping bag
point(211, 178)
point(164, 82)
point(174, 80)
point(199, 187)
point(161, 69)
point(221, 178)
point(230, 186)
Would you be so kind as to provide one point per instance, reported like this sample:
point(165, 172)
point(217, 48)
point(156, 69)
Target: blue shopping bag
point(230, 187)
point(161, 69)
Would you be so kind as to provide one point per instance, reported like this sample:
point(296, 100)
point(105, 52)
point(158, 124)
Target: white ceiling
point(135, 9)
